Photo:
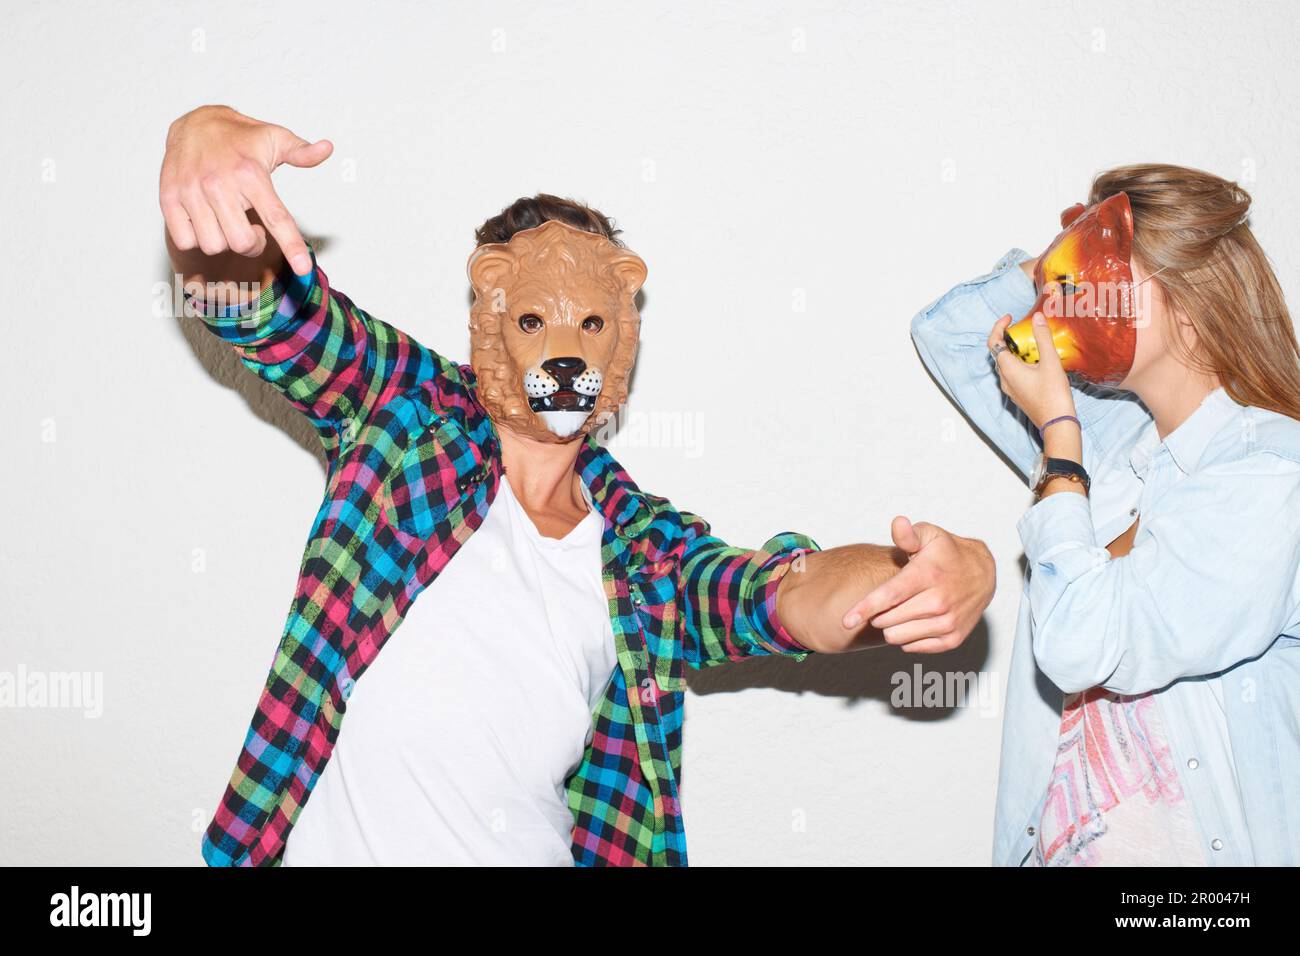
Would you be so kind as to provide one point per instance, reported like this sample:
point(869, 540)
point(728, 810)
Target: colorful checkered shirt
point(413, 466)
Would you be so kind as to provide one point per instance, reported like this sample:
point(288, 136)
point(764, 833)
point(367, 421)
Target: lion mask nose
point(564, 370)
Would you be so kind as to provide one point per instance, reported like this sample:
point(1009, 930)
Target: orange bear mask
point(1086, 292)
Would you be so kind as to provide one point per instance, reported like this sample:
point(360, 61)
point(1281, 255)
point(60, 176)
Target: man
point(531, 713)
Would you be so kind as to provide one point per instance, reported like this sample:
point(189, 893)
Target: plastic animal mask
point(553, 329)
point(1085, 287)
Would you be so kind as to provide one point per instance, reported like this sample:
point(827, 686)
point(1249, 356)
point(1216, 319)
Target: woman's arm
point(951, 336)
point(1211, 580)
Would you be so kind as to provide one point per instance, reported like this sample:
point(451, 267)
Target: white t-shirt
point(1115, 797)
point(457, 740)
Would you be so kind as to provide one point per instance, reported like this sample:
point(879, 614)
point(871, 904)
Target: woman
point(1153, 705)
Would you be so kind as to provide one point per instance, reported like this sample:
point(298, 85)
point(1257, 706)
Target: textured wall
point(801, 178)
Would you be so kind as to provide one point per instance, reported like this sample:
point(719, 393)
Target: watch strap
point(1062, 468)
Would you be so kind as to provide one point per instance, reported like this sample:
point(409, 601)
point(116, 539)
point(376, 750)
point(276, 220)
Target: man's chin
point(564, 424)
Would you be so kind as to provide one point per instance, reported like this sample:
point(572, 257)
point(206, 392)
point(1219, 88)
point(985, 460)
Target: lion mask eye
point(530, 323)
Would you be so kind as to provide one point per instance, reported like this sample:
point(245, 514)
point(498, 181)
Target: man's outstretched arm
point(789, 597)
point(925, 594)
point(229, 233)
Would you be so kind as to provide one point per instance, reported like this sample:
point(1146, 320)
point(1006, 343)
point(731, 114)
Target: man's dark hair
point(525, 213)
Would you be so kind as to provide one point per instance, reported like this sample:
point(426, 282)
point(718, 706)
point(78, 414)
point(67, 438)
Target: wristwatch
point(1045, 469)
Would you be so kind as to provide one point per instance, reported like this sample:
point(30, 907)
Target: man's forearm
point(814, 596)
point(924, 594)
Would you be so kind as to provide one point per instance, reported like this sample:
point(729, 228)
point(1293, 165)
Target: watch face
point(1040, 468)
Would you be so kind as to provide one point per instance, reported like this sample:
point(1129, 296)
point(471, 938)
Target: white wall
point(864, 157)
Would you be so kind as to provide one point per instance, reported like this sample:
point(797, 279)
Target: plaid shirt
point(413, 466)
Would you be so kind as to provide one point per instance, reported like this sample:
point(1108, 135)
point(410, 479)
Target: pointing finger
point(279, 223)
point(903, 585)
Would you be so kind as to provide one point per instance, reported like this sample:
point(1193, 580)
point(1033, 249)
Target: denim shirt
point(1204, 612)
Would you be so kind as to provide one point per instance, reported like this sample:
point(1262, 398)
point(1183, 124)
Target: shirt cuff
point(1008, 291)
point(784, 552)
point(274, 306)
point(1060, 543)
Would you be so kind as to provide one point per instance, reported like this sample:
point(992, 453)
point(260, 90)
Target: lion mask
point(553, 329)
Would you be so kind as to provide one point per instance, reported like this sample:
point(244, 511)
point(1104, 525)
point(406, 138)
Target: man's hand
point(924, 594)
point(932, 604)
point(218, 166)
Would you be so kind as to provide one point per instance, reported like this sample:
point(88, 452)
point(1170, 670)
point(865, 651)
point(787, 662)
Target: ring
point(997, 348)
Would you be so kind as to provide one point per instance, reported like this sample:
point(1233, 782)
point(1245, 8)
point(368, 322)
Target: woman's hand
point(1041, 391)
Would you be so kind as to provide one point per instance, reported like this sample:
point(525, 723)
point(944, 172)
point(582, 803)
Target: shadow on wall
point(222, 364)
point(855, 677)
point(862, 675)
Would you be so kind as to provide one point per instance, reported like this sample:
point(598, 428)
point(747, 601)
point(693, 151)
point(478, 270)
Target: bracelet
point(1060, 418)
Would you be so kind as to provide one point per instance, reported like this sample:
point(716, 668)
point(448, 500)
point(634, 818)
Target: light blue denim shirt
point(1204, 611)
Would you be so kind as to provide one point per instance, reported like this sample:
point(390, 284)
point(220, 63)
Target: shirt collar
point(1144, 449)
point(1186, 443)
point(612, 490)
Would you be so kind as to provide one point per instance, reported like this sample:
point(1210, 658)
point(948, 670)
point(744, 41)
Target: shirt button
point(1193, 764)
point(1217, 844)
point(1132, 512)
point(1030, 831)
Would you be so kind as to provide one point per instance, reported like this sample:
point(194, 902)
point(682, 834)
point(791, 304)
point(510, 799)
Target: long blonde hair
point(1191, 232)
